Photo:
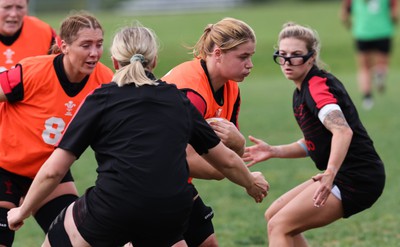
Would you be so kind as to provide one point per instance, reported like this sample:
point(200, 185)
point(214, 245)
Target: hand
point(229, 135)
point(259, 152)
point(259, 188)
point(15, 218)
point(394, 20)
point(346, 19)
point(324, 190)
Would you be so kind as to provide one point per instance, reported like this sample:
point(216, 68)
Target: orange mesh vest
point(35, 39)
point(190, 75)
point(29, 129)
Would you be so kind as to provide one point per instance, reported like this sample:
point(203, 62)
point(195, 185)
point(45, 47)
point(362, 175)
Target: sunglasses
point(293, 60)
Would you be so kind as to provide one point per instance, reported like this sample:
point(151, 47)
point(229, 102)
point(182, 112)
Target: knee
point(211, 241)
point(271, 226)
point(268, 215)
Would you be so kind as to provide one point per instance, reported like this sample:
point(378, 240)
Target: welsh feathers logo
point(70, 106)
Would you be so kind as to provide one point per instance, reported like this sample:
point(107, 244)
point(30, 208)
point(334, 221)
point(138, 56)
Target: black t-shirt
point(139, 136)
point(317, 90)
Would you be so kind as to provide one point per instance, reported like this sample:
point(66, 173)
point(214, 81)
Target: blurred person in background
point(222, 59)
point(21, 35)
point(139, 128)
point(353, 175)
point(372, 23)
point(39, 98)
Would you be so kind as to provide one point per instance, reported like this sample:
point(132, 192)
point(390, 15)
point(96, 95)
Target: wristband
point(302, 145)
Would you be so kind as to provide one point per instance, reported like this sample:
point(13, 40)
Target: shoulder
point(37, 61)
point(188, 69)
point(33, 21)
point(195, 63)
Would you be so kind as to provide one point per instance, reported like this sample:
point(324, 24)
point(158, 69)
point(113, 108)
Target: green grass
point(266, 113)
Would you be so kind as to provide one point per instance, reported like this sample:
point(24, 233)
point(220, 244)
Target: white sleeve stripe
point(326, 110)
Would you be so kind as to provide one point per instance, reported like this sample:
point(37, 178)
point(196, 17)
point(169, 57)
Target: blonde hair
point(135, 48)
point(72, 24)
point(306, 34)
point(226, 34)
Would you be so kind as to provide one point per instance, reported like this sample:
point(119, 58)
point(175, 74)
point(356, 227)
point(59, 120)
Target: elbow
point(53, 175)
point(349, 133)
point(218, 176)
point(232, 160)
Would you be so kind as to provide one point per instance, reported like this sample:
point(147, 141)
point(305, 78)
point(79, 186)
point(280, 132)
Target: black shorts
point(13, 187)
point(149, 228)
point(360, 191)
point(381, 45)
point(200, 224)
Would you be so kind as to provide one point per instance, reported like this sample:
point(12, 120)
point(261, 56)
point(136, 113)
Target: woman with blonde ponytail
point(139, 128)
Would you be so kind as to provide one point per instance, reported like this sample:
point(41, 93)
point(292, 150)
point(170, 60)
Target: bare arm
point(47, 179)
point(230, 137)
point(345, 13)
point(342, 134)
point(394, 11)
point(262, 151)
point(233, 167)
point(199, 167)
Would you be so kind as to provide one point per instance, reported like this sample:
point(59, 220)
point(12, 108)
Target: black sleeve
point(83, 128)
point(235, 114)
point(203, 136)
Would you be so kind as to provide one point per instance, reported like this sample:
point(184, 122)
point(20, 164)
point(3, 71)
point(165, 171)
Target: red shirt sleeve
point(197, 101)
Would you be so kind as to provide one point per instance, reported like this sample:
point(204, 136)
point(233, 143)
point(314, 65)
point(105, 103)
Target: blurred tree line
point(97, 5)
point(62, 5)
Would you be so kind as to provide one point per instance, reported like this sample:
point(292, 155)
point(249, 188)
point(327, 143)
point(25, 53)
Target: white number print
point(53, 129)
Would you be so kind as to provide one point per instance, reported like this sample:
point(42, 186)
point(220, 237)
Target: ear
point(115, 63)
point(64, 47)
point(217, 53)
point(154, 63)
point(314, 58)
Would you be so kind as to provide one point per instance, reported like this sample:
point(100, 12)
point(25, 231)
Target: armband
point(302, 145)
point(326, 110)
point(11, 83)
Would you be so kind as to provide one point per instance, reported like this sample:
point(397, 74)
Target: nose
point(287, 61)
point(13, 11)
point(95, 52)
point(250, 64)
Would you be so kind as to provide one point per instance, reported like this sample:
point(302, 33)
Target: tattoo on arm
point(335, 120)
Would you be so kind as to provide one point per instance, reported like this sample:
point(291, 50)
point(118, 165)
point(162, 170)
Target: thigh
point(63, 232)
point(300, 214)
point(283, 200)
point(200, 226)
point(72, 231)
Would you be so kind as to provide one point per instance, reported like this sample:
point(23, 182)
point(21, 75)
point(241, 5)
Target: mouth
point(11, 22)
point(91, 64)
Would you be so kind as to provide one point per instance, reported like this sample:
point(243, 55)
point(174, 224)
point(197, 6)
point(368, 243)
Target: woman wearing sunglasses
point(352, 175)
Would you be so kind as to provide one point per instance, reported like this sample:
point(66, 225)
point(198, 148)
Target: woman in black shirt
point(139, 128)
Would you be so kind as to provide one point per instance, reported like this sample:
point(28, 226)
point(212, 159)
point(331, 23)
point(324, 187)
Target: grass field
point(266, 113)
